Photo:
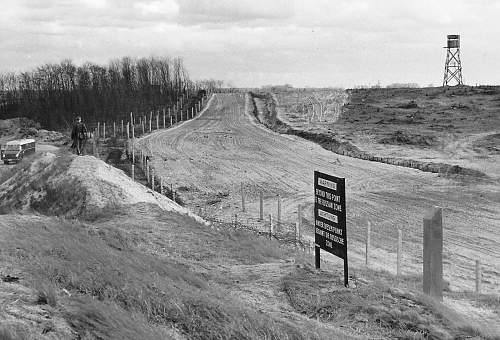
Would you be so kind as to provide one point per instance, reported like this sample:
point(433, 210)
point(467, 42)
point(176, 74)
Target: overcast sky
point(258, 42)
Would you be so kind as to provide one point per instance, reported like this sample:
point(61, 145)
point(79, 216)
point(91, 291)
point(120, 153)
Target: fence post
point(147, 170)
point(368, 243)
point(433, 253)
point(242, 198)
point(299, 217)
point(142, 160)
point(128, 132)
point(122, 129)
point(270, 226)
point(279, 211)
point(192, 112)
point(157, 121)
point(261, 205)
point(98, 129)
point(133, 172)
point(399, 253)
point(104, 130)
point(479, 278)
point(164, 125)
point(133, 151)
point(114, 129)
point(150, 119)
point(153, 179)
point(161, 185)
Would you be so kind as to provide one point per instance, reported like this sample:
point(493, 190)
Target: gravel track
point(224, 148)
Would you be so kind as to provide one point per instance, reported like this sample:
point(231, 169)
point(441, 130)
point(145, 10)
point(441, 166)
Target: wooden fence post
point(98, 129)
point(147, 171)
point(164, 125)
point(261, 205)
point(157, 121)
point(104, 130)
point(133, 151)
point(479, 278)
point(192, 112)
point(399, 253)
point(270, 226)
point(279, 211)
point(242, 198)
point(133, 172)
point(128, 133)
point(150, 119)
point(114, 129)
point(122, 129)
point(433, 253)
point(153, 179)
point(299, 217)
point(368, 243)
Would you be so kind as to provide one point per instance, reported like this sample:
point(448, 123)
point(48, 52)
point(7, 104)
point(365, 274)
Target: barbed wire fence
point(404, 245)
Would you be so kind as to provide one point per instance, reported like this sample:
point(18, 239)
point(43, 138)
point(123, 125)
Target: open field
point(455, 125)
point(210, 157)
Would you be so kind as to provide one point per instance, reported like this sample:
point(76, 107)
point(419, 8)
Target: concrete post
point(433, 253)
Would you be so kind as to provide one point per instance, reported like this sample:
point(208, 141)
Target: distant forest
point(53, 94)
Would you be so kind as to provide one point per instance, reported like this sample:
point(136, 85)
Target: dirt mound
point(76, 186)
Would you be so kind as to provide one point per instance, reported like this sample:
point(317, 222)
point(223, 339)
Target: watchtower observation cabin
point(453, 66)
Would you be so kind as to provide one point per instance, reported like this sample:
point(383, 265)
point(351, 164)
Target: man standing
point(79, 135)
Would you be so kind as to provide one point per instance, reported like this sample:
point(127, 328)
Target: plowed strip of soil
point(211, 157)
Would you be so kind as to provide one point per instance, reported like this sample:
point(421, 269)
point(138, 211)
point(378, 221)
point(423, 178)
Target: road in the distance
point(209, 158)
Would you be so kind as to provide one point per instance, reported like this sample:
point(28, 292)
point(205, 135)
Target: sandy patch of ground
point(108, 186)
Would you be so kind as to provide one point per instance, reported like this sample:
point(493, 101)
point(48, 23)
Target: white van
point(15, 150)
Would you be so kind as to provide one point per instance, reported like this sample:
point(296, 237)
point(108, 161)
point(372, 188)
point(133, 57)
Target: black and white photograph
point(249, 169)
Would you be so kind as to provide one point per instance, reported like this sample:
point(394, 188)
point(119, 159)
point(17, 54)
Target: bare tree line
point(53, 94)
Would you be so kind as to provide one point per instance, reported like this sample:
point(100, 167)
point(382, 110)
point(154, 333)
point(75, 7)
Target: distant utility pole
point(453, 66)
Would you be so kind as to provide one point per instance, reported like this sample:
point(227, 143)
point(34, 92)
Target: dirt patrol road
point(210, 157)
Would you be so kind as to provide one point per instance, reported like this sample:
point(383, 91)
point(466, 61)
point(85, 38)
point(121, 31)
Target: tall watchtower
point(453, 66)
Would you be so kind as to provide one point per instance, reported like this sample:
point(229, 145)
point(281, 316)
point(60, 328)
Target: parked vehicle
point(15, 150)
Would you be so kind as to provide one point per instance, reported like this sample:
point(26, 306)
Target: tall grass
point(164, 291)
